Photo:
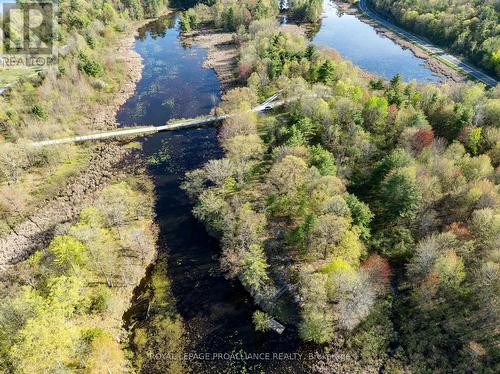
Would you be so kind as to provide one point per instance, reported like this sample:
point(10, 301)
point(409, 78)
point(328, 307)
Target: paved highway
point(430, 48)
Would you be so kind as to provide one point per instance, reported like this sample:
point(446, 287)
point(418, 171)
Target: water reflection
point(217, 312)
point(174, 83)
point(360, 43)
point(157, 28)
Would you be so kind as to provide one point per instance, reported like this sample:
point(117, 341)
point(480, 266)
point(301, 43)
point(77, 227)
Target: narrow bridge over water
point(269, 104)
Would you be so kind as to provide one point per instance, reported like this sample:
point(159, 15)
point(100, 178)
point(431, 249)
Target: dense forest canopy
point(235, 15)
point(468, 27)
point(374, 203)
point(356, 184)
point(305, 10)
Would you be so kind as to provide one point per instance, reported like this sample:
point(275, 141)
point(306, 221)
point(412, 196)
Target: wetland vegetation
point(362, 214)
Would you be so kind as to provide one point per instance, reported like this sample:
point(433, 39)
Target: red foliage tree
point(378, 270)
point(244, 71)
point(247, 16)
point(421, 139)
point(428, 289)
point(463, 135)
point(393, 111)
point(460, 230)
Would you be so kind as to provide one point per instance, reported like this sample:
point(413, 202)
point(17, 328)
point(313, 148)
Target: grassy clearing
point(12, 75)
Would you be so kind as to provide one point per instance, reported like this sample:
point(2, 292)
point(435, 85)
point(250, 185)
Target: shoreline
point(107, 161)
point(105, 118)
point(111, 162)
point(437, 67)
point(222, 53)
point(309, 357)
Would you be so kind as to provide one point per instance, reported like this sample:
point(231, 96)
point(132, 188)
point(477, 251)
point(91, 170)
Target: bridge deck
point(270, 103)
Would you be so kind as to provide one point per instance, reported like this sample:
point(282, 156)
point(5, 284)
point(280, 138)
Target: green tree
point(108, 13)
point(323, 160)
point(394, 92)
point(185, 22)
point(473, 140)
point(306, 10)
point(399, 158)
point(189, 20)
point(68, 252)
point(361, 215)
point(106, 356)
point(326, 72)
point(261, 321)
point(399, 194)
point(325, 234)
point(316, 326)
point(46, 343)
point(135, 9)
point(375, 112)
point(152, 7)
point(475, 168)
point(450, 269)
point(254, 268)
point(89, 65)
point(316, 318)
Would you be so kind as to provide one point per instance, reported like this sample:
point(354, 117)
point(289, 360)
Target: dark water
point(360, 43)
point(216, 312)
point(173, 84)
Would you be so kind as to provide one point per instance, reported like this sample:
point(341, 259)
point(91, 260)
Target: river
point(216, 312)
point(361, 44)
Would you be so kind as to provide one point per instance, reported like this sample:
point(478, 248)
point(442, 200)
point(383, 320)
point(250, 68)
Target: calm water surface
point(217, 313)
point(360, 43)
point(173, 84)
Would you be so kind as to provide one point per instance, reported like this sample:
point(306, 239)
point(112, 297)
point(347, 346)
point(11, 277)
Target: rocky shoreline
point(38, 229)
point(105, 118)
point(108, 160)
